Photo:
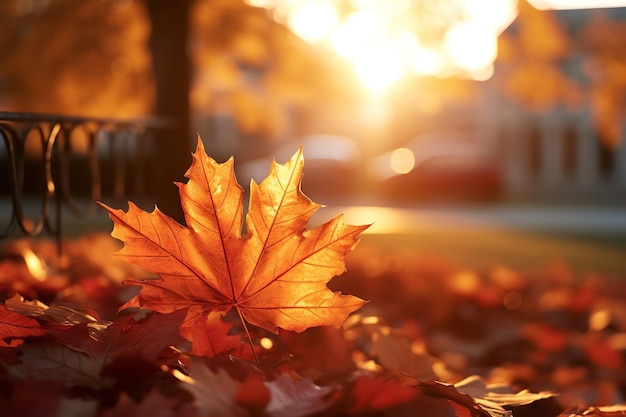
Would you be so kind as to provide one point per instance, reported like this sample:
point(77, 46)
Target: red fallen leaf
point(45, 360)
point(617, 410)
point(14, 327)
point(253, 394)
point(154, 404)
point(372, 394)
point(147, 337)
point(215, 392)
point(603, 355)
point(583, 299)
point(8, 357)
point(20, 401)
point(459, 410)
point(210, 337)
point(274, 277)
point(297, 398)
point(394, 352)
point(58, 313)
point(318, 353)
point(87, 349)
point(545, 337)
point(489, 400)
point(437, 389)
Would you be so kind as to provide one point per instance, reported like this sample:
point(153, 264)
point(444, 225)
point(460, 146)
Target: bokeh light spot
point(402, 160)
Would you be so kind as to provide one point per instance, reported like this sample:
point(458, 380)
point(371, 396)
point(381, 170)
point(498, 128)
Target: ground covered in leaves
point(215, 321)
point(435, 340)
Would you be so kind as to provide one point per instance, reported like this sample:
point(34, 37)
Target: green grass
point(484, 248)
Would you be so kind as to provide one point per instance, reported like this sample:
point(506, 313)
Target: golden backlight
point(385, 42)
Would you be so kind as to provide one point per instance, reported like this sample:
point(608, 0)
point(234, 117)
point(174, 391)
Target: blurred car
point(331, 166)
point(446, 166)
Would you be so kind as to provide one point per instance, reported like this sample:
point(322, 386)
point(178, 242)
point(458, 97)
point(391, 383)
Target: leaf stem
point(245, 328)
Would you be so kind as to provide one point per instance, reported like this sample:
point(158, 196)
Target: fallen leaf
point(372, 394)
point(253, 394)
point(297, 398)
point(617, 410)
point(20, 402)
point(56, 313)
point(603, 355)
point(14, 327)
point(154, 404)
point(320, 353)
point(215, 392)
point(147, 337)
point(499, 399)
point(211, 337)
point(394, 352)
point(50, 361)
point(274, 277)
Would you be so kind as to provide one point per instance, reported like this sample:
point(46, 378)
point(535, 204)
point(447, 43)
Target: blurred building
point(555, 114)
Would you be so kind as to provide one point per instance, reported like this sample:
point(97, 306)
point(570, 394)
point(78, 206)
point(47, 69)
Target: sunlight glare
point(472, 46)
point(493, 14)
point(426, 61)
point(402, 161)
point(381, 42)
point(380, 67)
point(357, 31)
point(260, 3)
point(377, 6)
point(482, 74)
point(314, 21)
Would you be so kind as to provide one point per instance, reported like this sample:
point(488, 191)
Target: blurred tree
point(252, 69)
point(75, 57)
point(106, 58)
point(123, 58)
point(168, 45)
point(549, 60)
point(604, 40)
point(531, 57)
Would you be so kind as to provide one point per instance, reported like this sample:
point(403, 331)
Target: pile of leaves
point(205, 319)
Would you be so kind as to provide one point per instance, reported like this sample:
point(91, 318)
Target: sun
point(384, 44)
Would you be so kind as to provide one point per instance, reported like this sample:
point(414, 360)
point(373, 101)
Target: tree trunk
point(171, 63)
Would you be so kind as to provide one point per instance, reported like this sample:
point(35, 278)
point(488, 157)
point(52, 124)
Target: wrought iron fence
point(64, 163)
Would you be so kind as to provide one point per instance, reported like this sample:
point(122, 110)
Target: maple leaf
point(396, 354)
point(297, 398)
point(215, 392)
point(61, 314)
point(211, 337)
point(31, 398)
point(49, 361)
point(154, 404)
point(14, 327)
point(275, 276)
point(372, 394)
point(147, 337)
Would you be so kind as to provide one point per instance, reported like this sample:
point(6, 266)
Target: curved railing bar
point(51, 189)
point(25, 224)
point(9, 134)
point(55, 133)
point(65, 191)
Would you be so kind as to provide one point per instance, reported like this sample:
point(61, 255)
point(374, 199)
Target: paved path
point(610, 221)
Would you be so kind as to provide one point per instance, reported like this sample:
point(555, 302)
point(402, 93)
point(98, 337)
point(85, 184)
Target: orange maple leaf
point(275, 276)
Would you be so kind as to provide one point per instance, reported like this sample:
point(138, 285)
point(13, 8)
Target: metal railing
point(54, 157)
